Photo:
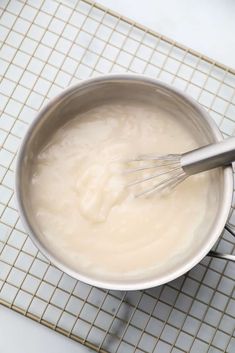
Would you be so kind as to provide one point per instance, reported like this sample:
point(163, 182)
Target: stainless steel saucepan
point(91, 93)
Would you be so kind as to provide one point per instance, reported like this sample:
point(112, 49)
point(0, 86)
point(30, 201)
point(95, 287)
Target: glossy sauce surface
point(88, 216)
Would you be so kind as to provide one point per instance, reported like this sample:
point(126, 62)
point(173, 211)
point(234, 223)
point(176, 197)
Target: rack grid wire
point(47, 45)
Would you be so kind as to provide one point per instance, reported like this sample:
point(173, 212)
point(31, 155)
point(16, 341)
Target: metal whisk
point(168, 171)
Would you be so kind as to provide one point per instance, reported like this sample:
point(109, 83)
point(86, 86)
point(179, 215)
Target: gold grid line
point(75, 296)
point(187, 50)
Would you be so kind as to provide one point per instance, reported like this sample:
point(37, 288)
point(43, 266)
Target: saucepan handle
point(219, 255)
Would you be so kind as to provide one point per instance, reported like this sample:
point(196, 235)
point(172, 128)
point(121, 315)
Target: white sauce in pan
point(85, 212)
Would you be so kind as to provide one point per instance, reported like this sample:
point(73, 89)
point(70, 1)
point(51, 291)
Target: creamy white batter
point(85, 212)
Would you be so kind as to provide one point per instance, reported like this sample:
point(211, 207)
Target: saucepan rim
point(225, 205)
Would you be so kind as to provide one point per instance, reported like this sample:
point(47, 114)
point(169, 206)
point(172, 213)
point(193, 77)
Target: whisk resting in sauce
point(166, 172)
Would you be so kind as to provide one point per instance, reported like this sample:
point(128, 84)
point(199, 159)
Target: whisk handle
point(209, 157)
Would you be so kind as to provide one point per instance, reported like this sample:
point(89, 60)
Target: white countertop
point(22, 335)
point(206, 26)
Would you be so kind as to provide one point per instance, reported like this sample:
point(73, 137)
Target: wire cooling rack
point(46, 46)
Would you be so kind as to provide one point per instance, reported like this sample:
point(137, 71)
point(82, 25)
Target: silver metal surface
point(209, 157)
point(222, 256)
point(94, 92)
point(164, 172)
